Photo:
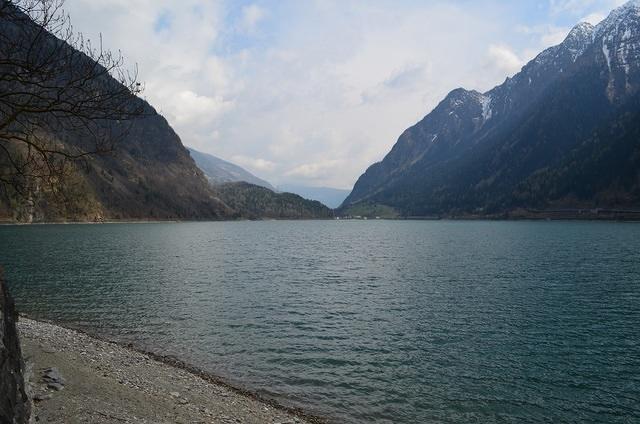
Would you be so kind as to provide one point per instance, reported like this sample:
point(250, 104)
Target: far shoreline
point(633, 219)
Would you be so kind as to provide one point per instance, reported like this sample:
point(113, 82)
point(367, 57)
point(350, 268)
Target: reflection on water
point(384, 321)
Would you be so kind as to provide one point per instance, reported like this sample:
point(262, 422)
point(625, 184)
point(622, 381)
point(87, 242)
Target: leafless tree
point(62, 99)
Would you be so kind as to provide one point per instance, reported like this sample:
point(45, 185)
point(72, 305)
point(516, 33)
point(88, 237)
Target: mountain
point(332, 197)
point(252, 197)
point(219, 171)
point(560, 135)
point(147, 175)
point(259, 202)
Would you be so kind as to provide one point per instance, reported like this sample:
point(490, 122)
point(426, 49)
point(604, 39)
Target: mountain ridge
point(468, 155)
point(220, 171)
point(146, 174)
point(332, 197)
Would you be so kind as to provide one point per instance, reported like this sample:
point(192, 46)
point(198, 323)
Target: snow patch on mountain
point(607, 56)
point(487, 112)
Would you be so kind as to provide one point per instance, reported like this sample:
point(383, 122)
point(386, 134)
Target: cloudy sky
point(314, 91)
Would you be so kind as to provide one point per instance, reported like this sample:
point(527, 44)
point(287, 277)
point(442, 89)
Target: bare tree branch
point(62, 99)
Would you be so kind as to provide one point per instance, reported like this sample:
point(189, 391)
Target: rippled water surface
point(363, 321)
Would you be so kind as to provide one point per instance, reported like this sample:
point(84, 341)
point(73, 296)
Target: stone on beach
point(52, 375)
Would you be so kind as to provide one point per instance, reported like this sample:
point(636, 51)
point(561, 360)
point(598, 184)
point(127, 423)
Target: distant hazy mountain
point(332, 197)
point(220, 171)
point(252, 197)
point(562, 133)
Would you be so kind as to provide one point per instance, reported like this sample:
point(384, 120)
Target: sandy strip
point(107, 383)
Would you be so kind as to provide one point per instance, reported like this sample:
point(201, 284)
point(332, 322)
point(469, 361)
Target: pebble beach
point(75, 378)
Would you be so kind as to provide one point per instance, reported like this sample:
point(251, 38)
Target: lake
point(363, 321)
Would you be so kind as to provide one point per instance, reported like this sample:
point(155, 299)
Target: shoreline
point(35, 335)
point(158, 221)
point(634, 219)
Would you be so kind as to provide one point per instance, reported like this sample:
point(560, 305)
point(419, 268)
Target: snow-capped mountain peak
point(581, 32)
point(579, 38)
point(630, 11)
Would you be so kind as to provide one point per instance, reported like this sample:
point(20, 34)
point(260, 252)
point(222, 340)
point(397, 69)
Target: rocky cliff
point(15, 407)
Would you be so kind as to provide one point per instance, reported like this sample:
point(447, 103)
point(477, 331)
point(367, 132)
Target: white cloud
point(251, 16)
point(505, 59)
point(594, 18)
point(314, 92)
point(592, 11)
point(579, 7)
point(554, 37)
point(571, 6)
point(194, 109)
point(314, 170)
point(254, 164)
point(548, 35)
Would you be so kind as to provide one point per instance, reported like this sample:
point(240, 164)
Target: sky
point(312, 92)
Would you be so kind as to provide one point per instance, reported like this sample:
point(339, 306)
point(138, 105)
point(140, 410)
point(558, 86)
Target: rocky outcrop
point(15, 407)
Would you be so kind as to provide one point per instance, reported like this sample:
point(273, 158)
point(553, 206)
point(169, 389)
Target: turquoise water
point(374, 321)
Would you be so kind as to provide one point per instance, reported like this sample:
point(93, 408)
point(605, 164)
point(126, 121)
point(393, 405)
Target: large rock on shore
point(15, 405)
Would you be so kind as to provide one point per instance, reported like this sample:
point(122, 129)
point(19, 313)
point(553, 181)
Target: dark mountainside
point(220, 171)
point(561, 134)
point(259, 202)
point(148, 175)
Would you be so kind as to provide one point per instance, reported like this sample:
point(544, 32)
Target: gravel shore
point(75, 378)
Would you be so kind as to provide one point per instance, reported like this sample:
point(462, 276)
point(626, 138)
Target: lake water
point(363, 321)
